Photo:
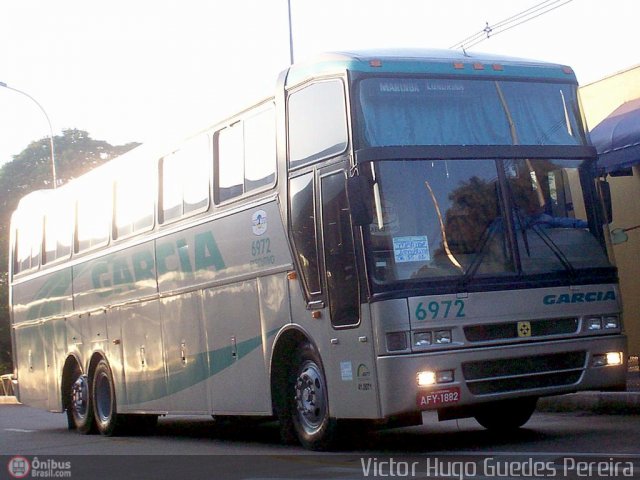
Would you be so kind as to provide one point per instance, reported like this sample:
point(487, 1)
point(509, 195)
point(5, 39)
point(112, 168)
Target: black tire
point(79, 403)
point(507, 415)
point(307, 403)
point(104, 400)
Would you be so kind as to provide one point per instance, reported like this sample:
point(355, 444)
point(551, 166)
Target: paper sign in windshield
point(411, 249)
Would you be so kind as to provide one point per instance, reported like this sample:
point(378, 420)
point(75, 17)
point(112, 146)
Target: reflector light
point(497, 67)
point(375, 63)
point(396, 341)
point(478, 66)
point(444, 376)
point(458, 66)
point(567, 70)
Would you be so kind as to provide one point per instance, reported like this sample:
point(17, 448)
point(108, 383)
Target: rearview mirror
point(619, 236)
point(359, 195)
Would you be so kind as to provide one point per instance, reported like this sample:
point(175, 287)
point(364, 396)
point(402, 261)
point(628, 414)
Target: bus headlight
point(614, 358)
point(611, 322)
point(422, 339)
point(607, 359)
point(594, 323)
point(426, 378)
point(442, 336)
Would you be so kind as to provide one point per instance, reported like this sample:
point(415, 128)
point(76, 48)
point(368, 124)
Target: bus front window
point(442, 219)
point(437, 219)
point(550, 216)
point(423, 111)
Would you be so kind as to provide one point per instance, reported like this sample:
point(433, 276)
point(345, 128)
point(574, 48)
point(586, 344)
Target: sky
point(133, 70)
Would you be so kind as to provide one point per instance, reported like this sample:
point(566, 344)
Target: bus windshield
point(451, 218)
point(398, 111)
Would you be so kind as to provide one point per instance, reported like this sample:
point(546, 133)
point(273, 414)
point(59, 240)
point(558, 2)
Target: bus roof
point(427, 61)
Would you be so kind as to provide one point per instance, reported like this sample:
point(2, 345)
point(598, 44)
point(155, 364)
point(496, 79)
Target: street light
point(53, 160)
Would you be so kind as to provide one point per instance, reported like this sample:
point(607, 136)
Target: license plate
point(434, 398)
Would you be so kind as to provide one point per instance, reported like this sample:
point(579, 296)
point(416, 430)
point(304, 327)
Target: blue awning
point(617, 138)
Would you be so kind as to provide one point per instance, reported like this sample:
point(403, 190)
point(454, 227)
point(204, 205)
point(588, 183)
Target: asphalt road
point(553, 445)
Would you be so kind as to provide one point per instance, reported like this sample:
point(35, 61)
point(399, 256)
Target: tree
point(75, 153)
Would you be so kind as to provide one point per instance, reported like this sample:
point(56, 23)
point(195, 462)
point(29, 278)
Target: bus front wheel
point(506, 415)
point(309, 401)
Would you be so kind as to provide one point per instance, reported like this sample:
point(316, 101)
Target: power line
point(510, 22)
point(503, 25)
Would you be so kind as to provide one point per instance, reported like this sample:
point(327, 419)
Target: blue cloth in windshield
point(546, 220)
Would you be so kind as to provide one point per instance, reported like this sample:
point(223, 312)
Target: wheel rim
point(103, 398)
point(311, 397)
point(80, 396)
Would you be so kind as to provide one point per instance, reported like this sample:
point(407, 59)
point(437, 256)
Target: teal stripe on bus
point(200, 367)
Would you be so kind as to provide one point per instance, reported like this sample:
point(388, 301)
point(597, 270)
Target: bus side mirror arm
point(605, 193)
point(359, 196)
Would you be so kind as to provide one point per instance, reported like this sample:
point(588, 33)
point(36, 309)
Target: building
point(612, 109)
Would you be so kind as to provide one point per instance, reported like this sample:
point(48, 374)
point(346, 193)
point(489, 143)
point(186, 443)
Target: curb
point(611, 403)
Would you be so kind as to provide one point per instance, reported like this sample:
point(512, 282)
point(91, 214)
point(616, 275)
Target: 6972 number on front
point(444, 396)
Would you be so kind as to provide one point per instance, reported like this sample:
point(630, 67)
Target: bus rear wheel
point(506, 415)
point(309, 401)
point(79, 405)
point(104, 400)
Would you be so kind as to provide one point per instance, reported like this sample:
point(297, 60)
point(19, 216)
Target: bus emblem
point(259, 222)
point(524, 329)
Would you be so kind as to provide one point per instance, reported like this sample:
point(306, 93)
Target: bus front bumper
point(469, 376)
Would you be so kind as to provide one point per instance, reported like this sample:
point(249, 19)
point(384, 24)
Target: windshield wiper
point(482, 252)
point(557, 251)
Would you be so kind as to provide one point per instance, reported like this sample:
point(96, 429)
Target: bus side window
point(246, 155)
point(134, 201)
point(303, 229)
point(94, 211)
point(230, 163)
point(170, 188)
point(338, 251)
point(58, 230)
point(260, 150)
point(28, 242)
point(195, 175)
point(317, 124)
point(184, 180)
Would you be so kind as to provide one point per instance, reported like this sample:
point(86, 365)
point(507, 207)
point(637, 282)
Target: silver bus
point(391, 232)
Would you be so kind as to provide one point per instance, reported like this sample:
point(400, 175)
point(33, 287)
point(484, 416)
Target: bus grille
point(502, 331)
point(522, 373)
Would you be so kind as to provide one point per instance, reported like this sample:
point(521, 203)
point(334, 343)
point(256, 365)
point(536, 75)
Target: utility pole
point(290, 34)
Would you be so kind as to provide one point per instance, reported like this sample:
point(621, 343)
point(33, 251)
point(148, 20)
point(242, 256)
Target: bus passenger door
point(350, 353)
